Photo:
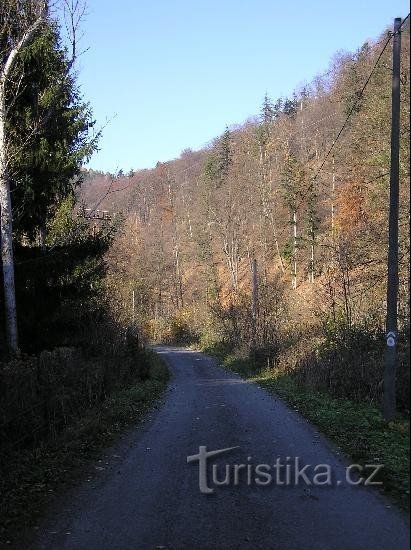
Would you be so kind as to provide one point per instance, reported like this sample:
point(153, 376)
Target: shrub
point(41, 395)
point(348, 363)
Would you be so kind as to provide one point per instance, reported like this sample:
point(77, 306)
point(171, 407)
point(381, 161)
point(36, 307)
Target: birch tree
point(19, 23)
point(293, 178)
point(269, 113)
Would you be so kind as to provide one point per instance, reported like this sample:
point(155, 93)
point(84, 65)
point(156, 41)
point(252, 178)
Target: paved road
point(146, 496)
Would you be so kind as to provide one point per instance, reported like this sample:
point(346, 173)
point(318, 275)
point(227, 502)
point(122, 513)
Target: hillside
point(258, 275)
point(271, 189)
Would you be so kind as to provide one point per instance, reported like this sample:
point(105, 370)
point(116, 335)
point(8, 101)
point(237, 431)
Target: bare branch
point(74, 12)
point(26, 38)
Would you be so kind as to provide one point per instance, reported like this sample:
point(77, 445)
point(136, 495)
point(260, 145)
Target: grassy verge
point(33, 477)
point(358, 429)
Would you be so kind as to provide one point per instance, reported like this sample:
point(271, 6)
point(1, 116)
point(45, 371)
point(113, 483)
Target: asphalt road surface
point(145, 495)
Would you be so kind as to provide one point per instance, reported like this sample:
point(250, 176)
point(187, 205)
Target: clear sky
point(174, 73)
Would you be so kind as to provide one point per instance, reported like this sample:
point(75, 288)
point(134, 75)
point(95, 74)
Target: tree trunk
point(231, 254)
point(333, 201)
point(6, 233)
point(42, 237)
point(266, 207)
point(6, 223)
point(312, 266)
point(294, 280)
point(254, 302)
point(179, 278)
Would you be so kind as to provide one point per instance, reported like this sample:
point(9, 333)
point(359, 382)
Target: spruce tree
point(43, 170)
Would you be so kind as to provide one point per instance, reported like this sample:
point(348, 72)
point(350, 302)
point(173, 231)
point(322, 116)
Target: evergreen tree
point(50, 109)
point(267, 116)
point(290, 106)
point(313, 224)
point(19, 23)
point(293, 178)
point(218, 164)
point(268, 111)
point(225, 154)
point(278, 107)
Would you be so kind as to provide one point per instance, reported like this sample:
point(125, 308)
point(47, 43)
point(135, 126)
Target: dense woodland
point(268, 244)
point(172, 261)
point(49, 371)
point(315, 220)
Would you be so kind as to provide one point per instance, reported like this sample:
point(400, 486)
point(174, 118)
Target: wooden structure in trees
point(95, 215)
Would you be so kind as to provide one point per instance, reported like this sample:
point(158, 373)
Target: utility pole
point(391, 355)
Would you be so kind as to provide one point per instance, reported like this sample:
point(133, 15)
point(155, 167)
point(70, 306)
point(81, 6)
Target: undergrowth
point(30, 478)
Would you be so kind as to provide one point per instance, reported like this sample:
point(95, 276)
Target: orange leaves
point(166, 208)
point(351, 217)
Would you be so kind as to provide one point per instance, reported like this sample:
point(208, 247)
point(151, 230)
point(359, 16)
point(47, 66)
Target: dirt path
point(148, 496)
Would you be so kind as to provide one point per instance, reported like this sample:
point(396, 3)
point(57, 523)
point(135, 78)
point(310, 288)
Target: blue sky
point(171, 74)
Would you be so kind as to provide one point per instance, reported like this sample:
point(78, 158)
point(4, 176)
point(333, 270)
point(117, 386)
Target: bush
point(180, 331)
point(264, 356)
point(348, 363)
point(43, 394)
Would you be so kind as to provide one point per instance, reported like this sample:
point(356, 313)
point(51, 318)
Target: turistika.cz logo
point(283, 472)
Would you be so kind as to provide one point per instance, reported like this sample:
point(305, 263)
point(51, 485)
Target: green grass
point(34, 476)
point(358, 429)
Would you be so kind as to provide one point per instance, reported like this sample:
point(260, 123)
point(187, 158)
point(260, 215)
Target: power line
point(352, 108)
point(351, 111)
point(403, 21)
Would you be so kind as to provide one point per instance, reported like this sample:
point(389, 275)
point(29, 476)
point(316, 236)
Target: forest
point(63, 354)
point(267, 249)
point(311, 210)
